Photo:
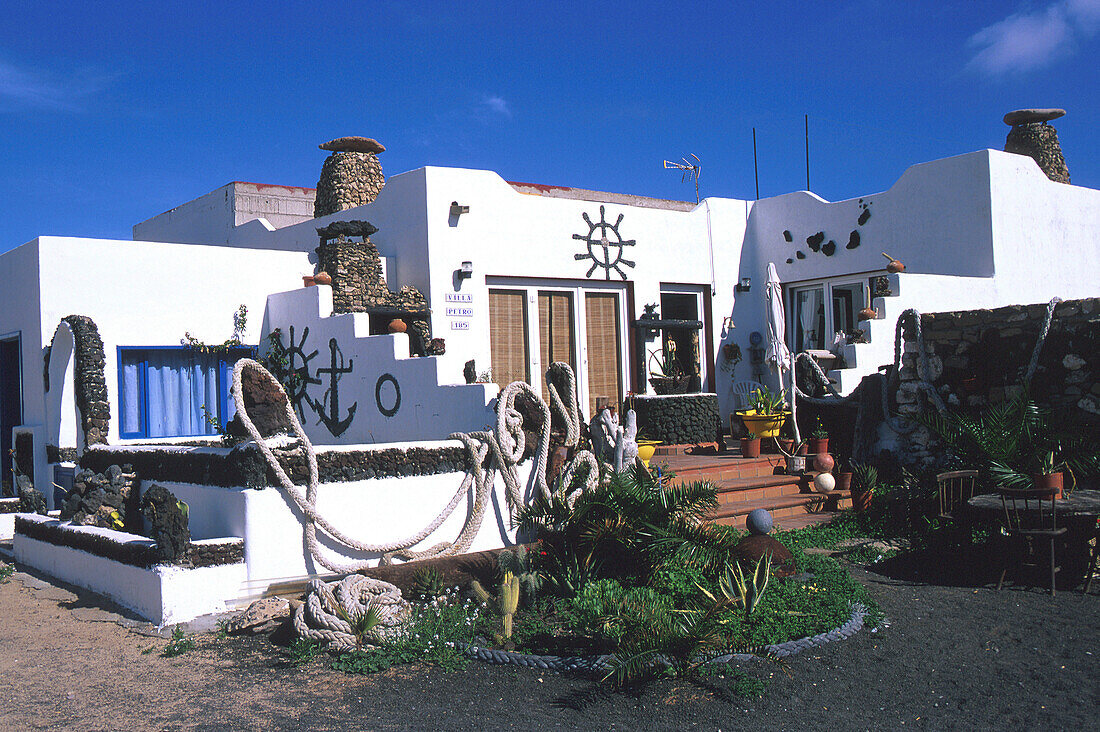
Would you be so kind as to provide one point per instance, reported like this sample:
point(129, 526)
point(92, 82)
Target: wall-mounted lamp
point(744, 285)
point(466, 271)
point(457, 210)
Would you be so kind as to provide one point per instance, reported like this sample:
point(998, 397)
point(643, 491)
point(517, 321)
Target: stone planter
point(1048, 481)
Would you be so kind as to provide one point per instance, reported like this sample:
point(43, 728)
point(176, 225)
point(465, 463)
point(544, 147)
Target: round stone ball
point(824, 482)
point(823, 462)
point(759, 521)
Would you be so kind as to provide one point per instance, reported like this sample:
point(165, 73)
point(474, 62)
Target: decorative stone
point(752, 547)
point(1039, 142)
point(1029, 116)
point(260, 616)
point(349, 178)
point(824, 482)
point(358, 144)
point(823, 462)
point(266, 406)
point(759, 521)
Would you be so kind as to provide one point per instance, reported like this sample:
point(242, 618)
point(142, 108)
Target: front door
point(11, 406)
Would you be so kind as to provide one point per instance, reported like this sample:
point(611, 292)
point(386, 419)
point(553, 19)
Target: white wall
point(370, 511)
point(425, 409)
point(212, 218)
point(150, 294)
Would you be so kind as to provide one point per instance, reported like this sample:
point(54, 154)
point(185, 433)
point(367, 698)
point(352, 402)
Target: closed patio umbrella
point(777, 352)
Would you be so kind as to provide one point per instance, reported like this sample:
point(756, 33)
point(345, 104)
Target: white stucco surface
point(160, 594)
point(382, 378)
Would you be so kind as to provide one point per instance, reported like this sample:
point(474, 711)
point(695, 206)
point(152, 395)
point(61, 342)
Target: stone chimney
point(350, 177)
point(1031, 135)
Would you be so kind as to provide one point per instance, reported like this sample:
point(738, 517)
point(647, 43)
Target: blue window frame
point(169, 391)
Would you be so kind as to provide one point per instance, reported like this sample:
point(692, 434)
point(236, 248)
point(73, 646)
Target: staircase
point(745, 484)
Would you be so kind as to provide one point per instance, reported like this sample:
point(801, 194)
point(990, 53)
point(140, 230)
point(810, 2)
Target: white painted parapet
point(364, 389)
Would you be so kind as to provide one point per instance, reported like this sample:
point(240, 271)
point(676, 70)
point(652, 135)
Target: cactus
point(507, 602)
point(518, 562)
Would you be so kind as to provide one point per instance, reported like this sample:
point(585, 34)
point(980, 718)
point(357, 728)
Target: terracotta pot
point(819, 446)
point(786, 445)
point(862, 501)
point(895, 266)
point(322, 278)
point(397, 325)
point(867, 314)
point(844, 482)
point(804, 449)
point(308, 281)
point(1048, 481)
point(750, 448)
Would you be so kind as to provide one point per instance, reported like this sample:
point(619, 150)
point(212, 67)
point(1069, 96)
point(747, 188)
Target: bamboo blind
point(601, 317)
point(555, 332)
point(508, 336)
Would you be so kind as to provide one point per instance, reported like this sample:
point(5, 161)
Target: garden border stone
point(597, 663)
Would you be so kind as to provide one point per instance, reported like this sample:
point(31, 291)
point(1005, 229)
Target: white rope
point(329, 606)
point(487, 453)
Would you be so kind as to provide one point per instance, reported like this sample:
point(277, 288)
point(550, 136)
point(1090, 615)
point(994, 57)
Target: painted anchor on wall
point(328, 408)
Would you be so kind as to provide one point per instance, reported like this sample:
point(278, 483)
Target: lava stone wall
point(980, 357)
point(91, 384)
point(1039, 141)
point(137, 555)
point(348, 179)
point(677, 419)
point(245, 466)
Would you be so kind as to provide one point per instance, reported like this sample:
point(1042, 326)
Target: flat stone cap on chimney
point(1020, 116)
point(353, 144)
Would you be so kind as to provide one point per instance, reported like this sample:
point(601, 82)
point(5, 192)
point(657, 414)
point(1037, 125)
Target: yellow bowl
point(646, 448)
point(763, 425)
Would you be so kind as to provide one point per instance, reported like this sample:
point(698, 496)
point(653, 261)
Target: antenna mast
point(689, 169)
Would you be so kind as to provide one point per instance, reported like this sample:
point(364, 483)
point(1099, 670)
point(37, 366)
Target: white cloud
point(1031, 39)
point(32, 88)
point(497, 105)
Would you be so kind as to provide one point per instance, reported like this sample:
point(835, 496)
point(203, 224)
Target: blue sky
point(114, 112)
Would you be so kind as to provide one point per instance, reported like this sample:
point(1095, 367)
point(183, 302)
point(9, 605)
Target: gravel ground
point(952, 655)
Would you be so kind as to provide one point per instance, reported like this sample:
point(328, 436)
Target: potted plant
point(766, 413)
point(843, 474)
point(864, 483)
point(750, 446)
point(819, 439)
point(1015, 443)
point(666, 375)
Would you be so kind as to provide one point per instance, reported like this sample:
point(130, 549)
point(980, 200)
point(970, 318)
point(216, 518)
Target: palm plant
point(630, 524)
point(1007, 442)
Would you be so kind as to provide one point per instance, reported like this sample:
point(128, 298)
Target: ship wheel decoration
point(297, 370)
point(605, 246)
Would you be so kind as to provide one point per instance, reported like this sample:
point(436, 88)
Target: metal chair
point(1031, 518)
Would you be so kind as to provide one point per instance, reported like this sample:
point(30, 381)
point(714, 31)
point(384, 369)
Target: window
point(533, 323)
point(175, 392)
point(814, 320)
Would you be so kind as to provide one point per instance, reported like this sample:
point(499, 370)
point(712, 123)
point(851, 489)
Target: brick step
point(790, 523)
point(736, 490)
point(717, 468)
point(782, 507)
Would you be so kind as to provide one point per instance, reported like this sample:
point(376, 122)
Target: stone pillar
point(354, 266)
point(1031, 135)
point(350, 177)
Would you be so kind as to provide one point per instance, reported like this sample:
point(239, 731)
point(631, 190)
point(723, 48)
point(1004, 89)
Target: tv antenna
point(689, 169)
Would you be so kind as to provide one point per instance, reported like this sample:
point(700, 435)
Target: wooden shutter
point(604, 338)
point(555, 332)
point(508, 336)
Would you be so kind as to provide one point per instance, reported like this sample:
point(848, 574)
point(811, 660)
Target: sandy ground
point(953, 655)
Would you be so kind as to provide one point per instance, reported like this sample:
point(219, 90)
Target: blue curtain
point(170, 392)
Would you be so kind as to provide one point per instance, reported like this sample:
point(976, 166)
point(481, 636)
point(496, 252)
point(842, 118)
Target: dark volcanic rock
point(749, 550)
point(353, 144)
